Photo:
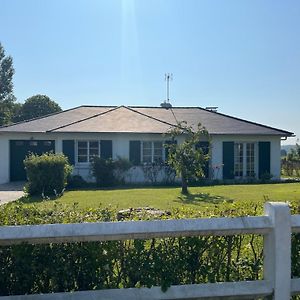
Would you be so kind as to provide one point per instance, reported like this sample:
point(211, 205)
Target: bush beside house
point(108, 172)
point(47, 173)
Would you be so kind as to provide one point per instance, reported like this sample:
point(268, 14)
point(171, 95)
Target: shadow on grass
point(201, 198)
point(35, 199)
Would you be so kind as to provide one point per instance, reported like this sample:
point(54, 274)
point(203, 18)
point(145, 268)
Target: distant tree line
point(12, 111)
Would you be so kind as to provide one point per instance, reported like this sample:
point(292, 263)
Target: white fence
point(276, 227)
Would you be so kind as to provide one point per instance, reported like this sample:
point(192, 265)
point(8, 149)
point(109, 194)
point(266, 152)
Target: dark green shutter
point(69, 150)
point(135, 152)
point(205, 148)
point(228, 160)
point(264, 158)
point(167, 150)
point(106, 149)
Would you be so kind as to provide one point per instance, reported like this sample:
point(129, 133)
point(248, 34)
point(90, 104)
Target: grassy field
point(200, 198)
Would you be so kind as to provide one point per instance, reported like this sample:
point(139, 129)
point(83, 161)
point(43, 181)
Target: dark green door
point(19, 149)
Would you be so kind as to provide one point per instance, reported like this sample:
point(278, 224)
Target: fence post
point(277, 250)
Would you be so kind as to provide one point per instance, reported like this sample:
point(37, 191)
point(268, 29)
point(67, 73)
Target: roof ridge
point(140, 106)
point(82, 120)
point(112, 106)
point(179, 107)
point(150, 117)
point(41, 117)
point(247, 121)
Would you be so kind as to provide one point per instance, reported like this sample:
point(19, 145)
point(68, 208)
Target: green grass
point(200, 198)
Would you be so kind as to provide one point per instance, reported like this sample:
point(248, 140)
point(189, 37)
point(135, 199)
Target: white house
point(239, 148)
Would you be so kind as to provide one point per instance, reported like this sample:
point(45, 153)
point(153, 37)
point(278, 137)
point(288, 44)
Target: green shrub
point(103, 171)
point(76, 181)
point(121, 166)
point(266, 177)
point(47, 173)
point(109, 172)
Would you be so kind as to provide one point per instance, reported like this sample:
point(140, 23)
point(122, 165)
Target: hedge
point(47, 173)
point(26, 269)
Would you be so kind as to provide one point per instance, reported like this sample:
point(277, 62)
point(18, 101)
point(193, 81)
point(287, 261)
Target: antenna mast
point(168, 78)
point(166, 103)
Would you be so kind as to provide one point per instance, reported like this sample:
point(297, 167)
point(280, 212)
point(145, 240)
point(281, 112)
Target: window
point(244, 159)
point(152, 152)
point(86, 150)
point(147, 152)
point(250, 171)
point(238, 160)
point(47, 143)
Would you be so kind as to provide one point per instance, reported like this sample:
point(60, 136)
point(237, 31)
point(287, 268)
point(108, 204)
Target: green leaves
point(47, 173)
point(6, 74)
point(109, 172)
point(8, 107)
point(118, 264)
point(36, 106)
point(186, 158)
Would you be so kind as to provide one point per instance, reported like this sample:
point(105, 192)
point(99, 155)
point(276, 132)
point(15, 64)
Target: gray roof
point(140, 120)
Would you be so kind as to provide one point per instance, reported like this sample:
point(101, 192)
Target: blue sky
point(242, 56)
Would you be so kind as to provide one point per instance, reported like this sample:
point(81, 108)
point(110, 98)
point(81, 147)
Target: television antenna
point(166, 103)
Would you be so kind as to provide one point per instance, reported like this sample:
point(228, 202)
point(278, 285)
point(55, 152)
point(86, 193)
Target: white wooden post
point(277, 250)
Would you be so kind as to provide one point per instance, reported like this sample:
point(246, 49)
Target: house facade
point(238, 148)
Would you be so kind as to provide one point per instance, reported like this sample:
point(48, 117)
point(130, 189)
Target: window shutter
point(264, 158)
point(228, 160)
point(205, 148)
point(106, 149)
point(135, 152)
point(167, 150)
point(69, 150)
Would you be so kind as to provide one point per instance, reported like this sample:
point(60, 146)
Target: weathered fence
point(276, 227)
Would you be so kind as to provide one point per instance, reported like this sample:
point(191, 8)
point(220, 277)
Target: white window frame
point(88, 151)
point(152, 151)
point(255, 169)
point(238, 161)
point(246, 157)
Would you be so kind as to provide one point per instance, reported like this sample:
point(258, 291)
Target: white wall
point(4, 159)
point(120, 145)
point(217, 152)
point(121, 148)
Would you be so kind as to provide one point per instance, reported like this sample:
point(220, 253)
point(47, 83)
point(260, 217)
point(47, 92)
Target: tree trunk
point(184, 186)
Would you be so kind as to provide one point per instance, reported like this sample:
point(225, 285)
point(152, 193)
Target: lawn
point(200, 198)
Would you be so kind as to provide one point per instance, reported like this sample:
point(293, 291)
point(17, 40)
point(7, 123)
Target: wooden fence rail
point(276, 227)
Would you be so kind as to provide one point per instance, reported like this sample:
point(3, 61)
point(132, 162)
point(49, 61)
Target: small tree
point(187, 159)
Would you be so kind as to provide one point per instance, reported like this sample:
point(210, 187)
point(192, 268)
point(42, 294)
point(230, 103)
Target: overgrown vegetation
point(46, 174)
point(109, 172)
point(291, 163)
